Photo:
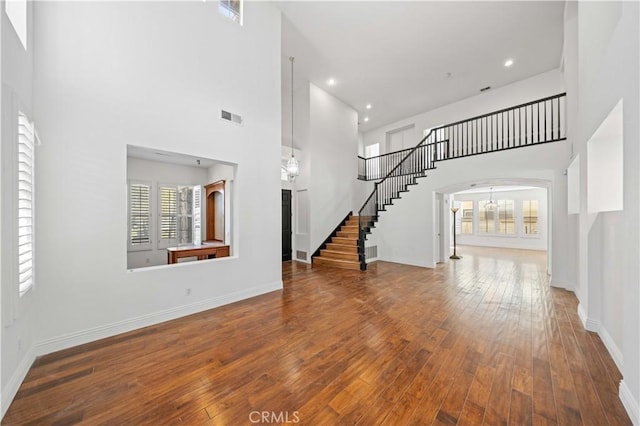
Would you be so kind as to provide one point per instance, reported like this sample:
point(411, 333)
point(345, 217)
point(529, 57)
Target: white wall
point(333, 150)
point(19, 314)
point(157, 173)
point(406, 232)
point(605, 69)
point(300, 202)
point(159, 81)
point(519, 240)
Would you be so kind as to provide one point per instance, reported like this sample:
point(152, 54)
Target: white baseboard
point(85, 336)
point(630, 404)
point(582, 314)
point(598, 327)
point(613, 349)
point(11, 389)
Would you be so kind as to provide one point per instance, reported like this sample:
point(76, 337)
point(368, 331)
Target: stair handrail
point(375, 188)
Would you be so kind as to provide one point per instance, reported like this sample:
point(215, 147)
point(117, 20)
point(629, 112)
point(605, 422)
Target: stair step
point(345, 241)
point(347, 234)
point(330, 254)
point(342, 248)
point(336, 263)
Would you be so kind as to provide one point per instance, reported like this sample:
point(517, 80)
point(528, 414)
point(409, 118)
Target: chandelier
point(293, 169)
point(491, 205)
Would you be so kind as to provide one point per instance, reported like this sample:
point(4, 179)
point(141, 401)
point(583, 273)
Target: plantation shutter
point(139, 215)
point(25, 202)
point(168, 214)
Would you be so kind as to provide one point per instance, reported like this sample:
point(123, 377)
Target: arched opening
point(522, 218)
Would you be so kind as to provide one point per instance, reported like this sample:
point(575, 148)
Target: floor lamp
point(454, 256)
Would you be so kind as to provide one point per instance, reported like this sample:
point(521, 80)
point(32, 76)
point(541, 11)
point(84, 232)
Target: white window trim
point(14, 302)
point(230, 14)
point(139, 247)
point(17, 12)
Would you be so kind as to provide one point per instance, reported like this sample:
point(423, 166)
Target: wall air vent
point(229, 116)
point(484, 89)
point(301, 255)
point(371, 252)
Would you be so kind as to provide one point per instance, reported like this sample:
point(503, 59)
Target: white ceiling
point(396, 55)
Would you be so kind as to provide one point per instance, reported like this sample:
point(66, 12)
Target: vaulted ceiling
point(404, 58)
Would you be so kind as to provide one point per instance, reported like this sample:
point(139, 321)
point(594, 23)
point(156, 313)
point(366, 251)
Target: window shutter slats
point(140, 214)
point(26, 155)
point(168, 213)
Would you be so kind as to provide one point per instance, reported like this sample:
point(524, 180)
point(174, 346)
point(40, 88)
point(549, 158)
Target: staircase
point(532, 123)
point(342, 247)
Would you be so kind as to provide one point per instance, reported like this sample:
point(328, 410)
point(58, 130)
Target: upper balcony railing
point(532, 123)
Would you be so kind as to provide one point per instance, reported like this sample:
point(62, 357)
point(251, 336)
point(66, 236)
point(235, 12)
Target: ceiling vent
point(229, 116)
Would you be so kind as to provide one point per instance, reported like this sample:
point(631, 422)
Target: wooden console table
point(201, 252)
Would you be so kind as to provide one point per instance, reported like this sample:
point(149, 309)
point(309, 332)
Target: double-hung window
point(26, 162)
point(530, 217)
point(486, 218)
point(466, 217)
point(178, 217)
point(506, 217)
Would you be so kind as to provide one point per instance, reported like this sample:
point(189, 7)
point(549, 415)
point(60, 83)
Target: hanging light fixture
point(293, 169)
point(491, 205)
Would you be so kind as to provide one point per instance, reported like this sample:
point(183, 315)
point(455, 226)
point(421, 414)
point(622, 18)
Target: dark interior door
point(286, 224)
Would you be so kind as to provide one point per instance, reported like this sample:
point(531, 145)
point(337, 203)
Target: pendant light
point(491, 205)
point(292, 165)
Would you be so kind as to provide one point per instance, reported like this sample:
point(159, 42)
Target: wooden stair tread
point(345, 240)
point(333, 254)
point(343, 248)
point(337, 263)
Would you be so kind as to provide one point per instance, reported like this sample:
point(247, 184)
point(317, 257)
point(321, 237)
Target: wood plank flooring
point(482, 340)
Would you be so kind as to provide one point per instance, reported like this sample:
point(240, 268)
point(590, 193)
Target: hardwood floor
point(482, 340)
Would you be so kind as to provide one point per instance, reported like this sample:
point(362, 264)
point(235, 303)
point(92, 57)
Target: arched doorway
point(215, 211)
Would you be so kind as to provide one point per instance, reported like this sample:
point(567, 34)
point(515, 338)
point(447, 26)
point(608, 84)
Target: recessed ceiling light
point(366, 119)
point(368, 106)
point(508, 62)
point(331, 82)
